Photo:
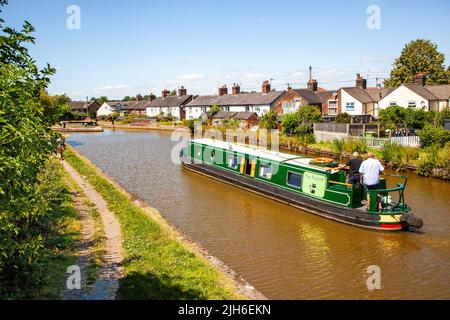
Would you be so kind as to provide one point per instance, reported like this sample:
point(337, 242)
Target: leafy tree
point(269, 120)
point(441, 116)
point(92, 114)
point(101, 100)
point(26, 113)
point(343, 117)
point(417, 119)
point(128, 98)
point(173, 93)
point(392, 117)
point(433, 135)
point(419, 56)
point(301, 122)
point(289, 122)
point(214, 110)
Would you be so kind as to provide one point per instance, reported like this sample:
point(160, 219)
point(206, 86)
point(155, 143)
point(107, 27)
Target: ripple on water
point(284, 252)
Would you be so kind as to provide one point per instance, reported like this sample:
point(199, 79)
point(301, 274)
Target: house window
point(265, 171)
point(411, 104)
point(350, 106)
point(294, 179)
point(257, 109)
point(332, 107)
point(233, 162)
point(393, 103)
point(247, 109)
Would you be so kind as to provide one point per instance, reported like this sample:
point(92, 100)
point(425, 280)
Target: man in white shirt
point(370, 173)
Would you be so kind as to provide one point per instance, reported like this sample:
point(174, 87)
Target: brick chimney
point(313, 85)
point(223, 90)
point(236, 89)
point(151, 97)
point(138, 97)
point(361, 82)
point(165, 93)
point(420, 78)
point(182, 91)
point(266, 86)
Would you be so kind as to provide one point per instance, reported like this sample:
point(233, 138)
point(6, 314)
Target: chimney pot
point(236, 89)
point(223, 90)
point(420, 78)
point(266, 86)
point(138, 97)
point(165, 93)
point(313, 85)
point(361, 82)
point(182, 91)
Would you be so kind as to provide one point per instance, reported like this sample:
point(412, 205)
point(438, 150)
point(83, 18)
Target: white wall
point(347, 98)
point(402, 96)
point(104, 110)
point(258, 109)
point(155, 111)
point(195, 112)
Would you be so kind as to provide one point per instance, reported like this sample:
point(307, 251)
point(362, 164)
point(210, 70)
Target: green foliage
point(343, 118)
point(419, 56)
point(301, 122)
point(395, 117)
point(338, 146)
point(269, 120)
point(214, 110)
point(431, 134)
point(92, 114)
point(398, 156)
point(26, 142)
point(358, 145)
point(441, 116)
point(156, 264)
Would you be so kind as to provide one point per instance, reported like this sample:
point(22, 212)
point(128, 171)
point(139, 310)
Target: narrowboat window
point(265, 171)
point(213, 154)
point(294, 179)
point(233, 162)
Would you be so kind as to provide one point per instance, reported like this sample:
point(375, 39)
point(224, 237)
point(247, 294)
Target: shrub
point(358, 145)
point(431, 134)
point(269, 120)
point(343, 118)
point(289, 124)
point(338, 145)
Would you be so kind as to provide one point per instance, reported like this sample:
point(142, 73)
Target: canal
point(284, 252)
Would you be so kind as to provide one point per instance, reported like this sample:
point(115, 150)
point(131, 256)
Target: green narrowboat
point(302, 182)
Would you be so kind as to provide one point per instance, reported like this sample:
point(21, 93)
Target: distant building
point(257, 102)
point(83, 106)
point(166, 104)
point(249, 119)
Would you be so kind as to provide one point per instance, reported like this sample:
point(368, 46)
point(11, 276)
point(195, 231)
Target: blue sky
point(129, 47)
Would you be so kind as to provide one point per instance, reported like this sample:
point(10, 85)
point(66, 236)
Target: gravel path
point(107, 284)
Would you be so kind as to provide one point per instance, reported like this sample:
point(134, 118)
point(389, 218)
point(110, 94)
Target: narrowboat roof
point(259, 152)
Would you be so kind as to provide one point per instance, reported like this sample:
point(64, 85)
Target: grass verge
point(156, 264)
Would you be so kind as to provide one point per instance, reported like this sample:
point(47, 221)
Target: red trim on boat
point(391, 226)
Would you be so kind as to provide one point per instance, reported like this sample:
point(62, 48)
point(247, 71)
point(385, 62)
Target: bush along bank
point(157, 264)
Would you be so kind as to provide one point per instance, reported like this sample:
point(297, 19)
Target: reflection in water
point(284, 252)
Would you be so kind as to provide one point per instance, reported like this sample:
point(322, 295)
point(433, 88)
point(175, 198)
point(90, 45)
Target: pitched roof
point(224, 115)
point(442, 91)
point(325, 95)
point(78, 105)
point(378, 94)
point(359, 94)
point(421, 91)
point(309, 95)
point(203, 101)
point(249, 98)
point(135, 105)
point(244, 115)
point(169, 101)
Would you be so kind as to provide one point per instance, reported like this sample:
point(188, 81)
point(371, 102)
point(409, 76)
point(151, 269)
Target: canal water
point(284, 252)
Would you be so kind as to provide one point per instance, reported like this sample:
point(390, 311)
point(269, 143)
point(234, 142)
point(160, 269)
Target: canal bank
point(284, 252)
point(159, 262)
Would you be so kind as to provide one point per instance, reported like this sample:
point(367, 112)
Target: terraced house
point(169, 105)
point(253, 102)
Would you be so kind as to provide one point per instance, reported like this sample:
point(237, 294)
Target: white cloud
point(112, 88)
point(191, 77)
